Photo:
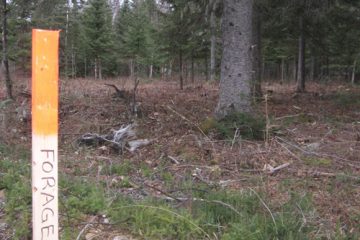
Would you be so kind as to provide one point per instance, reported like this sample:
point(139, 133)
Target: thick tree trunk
point(257, 58)
point(236, 64)
point(301, 62)
point(5, 60)
point(213, 41)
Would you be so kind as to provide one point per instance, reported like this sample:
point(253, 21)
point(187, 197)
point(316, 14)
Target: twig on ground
point(174, 160)
point(336, 158)
point(85, 228)
point(236, 135)
point(162, 192)
point(288, 116)
point(288, 150)
point(194, 124)
point(272, 170)
point(187, 120)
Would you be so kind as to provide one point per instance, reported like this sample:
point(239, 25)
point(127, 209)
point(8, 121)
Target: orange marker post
point(45, 72)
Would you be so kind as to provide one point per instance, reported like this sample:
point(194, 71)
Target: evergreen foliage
point(97, 35)
point(158, 36)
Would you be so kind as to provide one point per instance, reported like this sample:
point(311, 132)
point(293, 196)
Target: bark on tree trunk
point(99, 69)
point(236, 64)
point(206, 68)
point(327, 72)
point(162, 72)
point(151, 71)
point(5, 60)
point(192, 68)
point(312, 69)
point(282, 70)
point(301, 62)
point(257, 58)
point(73, 62)
point(181, 70)
point(96, 69)
point(85, 67)
point(294, 70)
point(213, 41)
point(170, 69)
point(353, 72)
point(115, 11)
point(131, 67)
point(66, 41)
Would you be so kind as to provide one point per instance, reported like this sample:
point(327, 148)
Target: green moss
point(208, 125)
point(249, 126)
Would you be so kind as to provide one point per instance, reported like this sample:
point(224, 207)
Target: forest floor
point(314, 137)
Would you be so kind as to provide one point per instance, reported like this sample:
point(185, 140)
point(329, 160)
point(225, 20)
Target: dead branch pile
point(121, 139)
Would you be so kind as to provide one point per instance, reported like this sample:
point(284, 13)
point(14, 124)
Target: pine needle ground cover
point(192, 182)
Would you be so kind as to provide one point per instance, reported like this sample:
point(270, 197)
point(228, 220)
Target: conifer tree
point(96, 24)
point(136, 37)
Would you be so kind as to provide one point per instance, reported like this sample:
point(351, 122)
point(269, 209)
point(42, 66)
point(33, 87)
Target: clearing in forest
point(290, 172)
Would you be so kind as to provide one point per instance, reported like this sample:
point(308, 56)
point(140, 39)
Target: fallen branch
point(85, 228)
point(174, 160)
point(135, 144)
point(187, 120)
point(117, 139)
point(334, 157)
point(162, 192)
point(271, 170)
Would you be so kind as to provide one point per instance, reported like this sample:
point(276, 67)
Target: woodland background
point(164, 38)
point(141, 153)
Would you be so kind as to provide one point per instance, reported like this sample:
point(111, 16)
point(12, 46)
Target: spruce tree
point(137, 37)
point(97, 34)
